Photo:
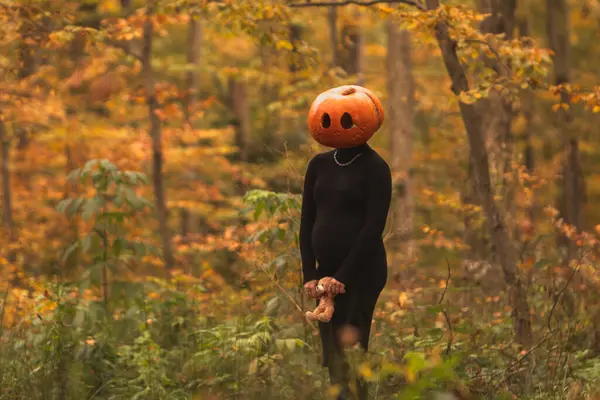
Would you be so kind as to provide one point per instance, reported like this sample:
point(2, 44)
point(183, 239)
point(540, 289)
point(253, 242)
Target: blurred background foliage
point(152, 157)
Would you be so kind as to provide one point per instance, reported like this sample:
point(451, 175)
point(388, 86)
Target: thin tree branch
point(496, 64)
point(287, 295)
point(447, 282)
point(412, 3)
point(561, 292)
point(517, 361)
point(520, 359)
point(446, 316)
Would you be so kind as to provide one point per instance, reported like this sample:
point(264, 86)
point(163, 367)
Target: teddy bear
point(325, 309)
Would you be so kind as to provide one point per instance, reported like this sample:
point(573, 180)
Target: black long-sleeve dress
point(344, 212)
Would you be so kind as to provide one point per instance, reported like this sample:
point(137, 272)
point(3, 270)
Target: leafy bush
point(167, 339)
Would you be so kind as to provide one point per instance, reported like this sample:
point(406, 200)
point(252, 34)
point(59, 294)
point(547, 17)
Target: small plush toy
point(324, 310)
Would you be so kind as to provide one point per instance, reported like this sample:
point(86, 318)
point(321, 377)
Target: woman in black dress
point(345, 204)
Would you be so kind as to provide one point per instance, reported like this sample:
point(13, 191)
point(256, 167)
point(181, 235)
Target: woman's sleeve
point(307, 221)
point(378, 204)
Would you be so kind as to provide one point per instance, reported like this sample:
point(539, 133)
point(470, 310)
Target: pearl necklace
point(347, 163)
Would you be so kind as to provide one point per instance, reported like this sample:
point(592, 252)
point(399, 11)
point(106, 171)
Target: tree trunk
point(572, 193)
point(529, 153)
point(185, 222)
point(400, 116)
point(239, 105)
point(360, 51)
point(351, 57)
point(497, 111)
point(504, 249)
point(333, 36)
point(155, 134)
point(191, 92)
point(193, 55)
point(476, 240)
point(296, 63)
point(7, 214)
point(28, 65)
point(571, 196)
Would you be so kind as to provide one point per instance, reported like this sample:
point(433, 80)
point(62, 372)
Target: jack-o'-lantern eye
point(325, 121)
point(346, 121)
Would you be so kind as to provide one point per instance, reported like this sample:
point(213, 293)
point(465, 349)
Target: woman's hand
point(310, 288)
point(335, 287)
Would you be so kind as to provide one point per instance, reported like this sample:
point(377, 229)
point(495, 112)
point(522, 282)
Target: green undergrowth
point(155, 339)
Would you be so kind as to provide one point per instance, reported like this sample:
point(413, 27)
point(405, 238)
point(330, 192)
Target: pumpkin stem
point(348, 91)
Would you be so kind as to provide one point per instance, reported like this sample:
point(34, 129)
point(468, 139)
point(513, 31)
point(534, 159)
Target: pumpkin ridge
point(374, 106)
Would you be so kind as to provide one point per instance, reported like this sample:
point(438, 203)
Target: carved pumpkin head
point(345, 116)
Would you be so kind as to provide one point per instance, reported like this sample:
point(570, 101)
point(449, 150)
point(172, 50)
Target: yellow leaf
point(110, 6)
point(365, 371)
point(404, 300)
point(596, 109)
point(334, 391)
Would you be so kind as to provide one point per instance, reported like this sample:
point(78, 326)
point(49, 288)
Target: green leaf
point(288, 344)
point(117, 246)
point(62, 205)
point(118, 200)
point(139, 248)
point(74, 206)
point(117, 217)
point(86, 243)
point(69, 251)
point(389, 369)
point(258, 210)
point(133, 199)
point(106, 165)
point(143, 178)
point(434, 310)
point(88, 167)
point(281, 234)
point(95, 272)
point(90, 207)
point(73, 175)
point(540, 264)
point(416, 361)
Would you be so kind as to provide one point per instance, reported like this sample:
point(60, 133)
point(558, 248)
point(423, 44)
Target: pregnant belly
point(333, 240)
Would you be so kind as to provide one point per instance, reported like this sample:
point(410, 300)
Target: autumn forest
point(152, 158)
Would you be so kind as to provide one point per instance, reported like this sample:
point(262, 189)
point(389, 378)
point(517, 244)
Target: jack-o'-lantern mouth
point(346, 121)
